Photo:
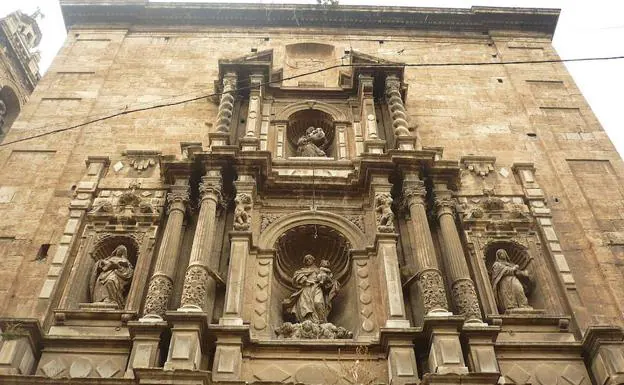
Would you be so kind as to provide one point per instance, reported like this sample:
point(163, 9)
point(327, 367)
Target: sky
point(585, 29)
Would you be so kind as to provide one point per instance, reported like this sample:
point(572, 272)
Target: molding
point(476, 19)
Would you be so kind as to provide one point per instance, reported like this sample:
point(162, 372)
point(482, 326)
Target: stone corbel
point(479, 165)
point(20, 345)
point(603, 350)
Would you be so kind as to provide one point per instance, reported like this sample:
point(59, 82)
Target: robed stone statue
point(510, 284)
point(111, 277)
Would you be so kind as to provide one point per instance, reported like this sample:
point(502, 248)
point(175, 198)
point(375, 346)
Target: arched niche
point(300, 121)
point(519, 255)
point(12, 108)
point(335, 113)
point(325, 236)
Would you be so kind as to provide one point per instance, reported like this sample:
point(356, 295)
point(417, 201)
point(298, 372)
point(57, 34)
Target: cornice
point(476, 19)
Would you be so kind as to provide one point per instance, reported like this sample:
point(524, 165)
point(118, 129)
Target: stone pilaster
point(462, 287)
point(403, 137)
point(161, 283)
point(226, 107)
point(251, 142)
point(372, 143)
point(199, 284)
point(423, 263)
point(240, 241)
point(385, 244)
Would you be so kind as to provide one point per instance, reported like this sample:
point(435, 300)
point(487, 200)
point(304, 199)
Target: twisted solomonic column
point(396, 107)
point(423, 262)
point(462, 286)
point(199, 285)
point(161, 283)
point(226, 105)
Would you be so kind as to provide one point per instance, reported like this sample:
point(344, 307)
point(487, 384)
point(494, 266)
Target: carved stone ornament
point(432, 289)
point(310, 305)
point(111, 278)
point(267, 219)
point(313, 143)
point(158, 293)
point(194, 290)
point(466, 299)
point(397, 109)
point(415, 190)
point(445, 205)
point(211, 188)
point(510, 284)
point(383, 213)
point(242, 212)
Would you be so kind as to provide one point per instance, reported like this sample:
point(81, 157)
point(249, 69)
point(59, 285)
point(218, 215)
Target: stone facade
point(19, 64)
point(307, 209)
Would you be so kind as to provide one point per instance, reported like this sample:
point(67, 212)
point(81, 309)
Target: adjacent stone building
point(308, 194)
point(19, 64)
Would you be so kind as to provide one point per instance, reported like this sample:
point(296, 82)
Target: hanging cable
point(372, 65)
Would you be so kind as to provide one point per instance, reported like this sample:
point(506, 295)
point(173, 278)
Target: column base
point(228, 359)
point(374, 146)
point(20, 347)
point(188, 347)
point(405, 143)
point(249, 143)
point(145, 344)
point(217, 139)
point(445, 351)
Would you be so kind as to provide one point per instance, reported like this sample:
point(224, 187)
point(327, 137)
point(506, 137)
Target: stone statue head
point(502, 255)
point(308, 260)
point(121, 251)
point(315, 134)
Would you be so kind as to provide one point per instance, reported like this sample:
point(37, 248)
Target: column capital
point(211, 186)
point(393, 84)
point(444, 202)
point(414, 192)
point(229, 80)
point(177, 198)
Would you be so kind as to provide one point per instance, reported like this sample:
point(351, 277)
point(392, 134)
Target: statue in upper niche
point(111, 278)
point(312, 142)
point(510, 283)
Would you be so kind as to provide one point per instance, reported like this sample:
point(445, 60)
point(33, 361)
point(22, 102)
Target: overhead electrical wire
point(371, 65)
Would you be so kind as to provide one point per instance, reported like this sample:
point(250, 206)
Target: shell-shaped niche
point(299, 122)
point(105, 247)
point(322, 242)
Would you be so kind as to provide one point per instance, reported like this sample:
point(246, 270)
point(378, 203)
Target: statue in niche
point(242, 212)
point(385, 216)
point(312, 143)
point(511, 284)
point(111, 278)
point(310, 305)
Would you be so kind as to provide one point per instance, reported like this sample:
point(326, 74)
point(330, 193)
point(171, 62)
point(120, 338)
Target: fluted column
point(462, 286)
point(161, 283)
point(372, 143)
point(403, 137)
point(226, 108)
point(199, 285)
point(423, 262)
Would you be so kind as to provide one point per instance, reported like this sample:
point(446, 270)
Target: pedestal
point(399, 346)
point(603, 350)
point(228, 360)
point(445, 352)
point(188, 348)
point(145, 345)
point(217, 139)
point(480, 340)
point(20, 345)
point(405, 143)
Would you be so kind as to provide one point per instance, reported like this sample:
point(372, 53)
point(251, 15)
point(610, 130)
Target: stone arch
point(9, 109)
point(518, 253)
point(336, 114)
point(349, 230)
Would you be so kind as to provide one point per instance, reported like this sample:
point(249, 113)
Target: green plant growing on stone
point(327, 3)
point(13, 331)
point(357, 371)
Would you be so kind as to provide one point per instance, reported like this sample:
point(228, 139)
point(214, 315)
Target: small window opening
point(556, 199)
point(381, 41)
point(532, 135)
point(254, 50)
point(500, 80)
point(347, 52)
point(494, 55)
point(267, 38)
point(242, 120)
point(43, 252)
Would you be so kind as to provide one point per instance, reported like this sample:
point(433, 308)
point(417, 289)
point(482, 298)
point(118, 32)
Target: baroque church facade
point(307, 194)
